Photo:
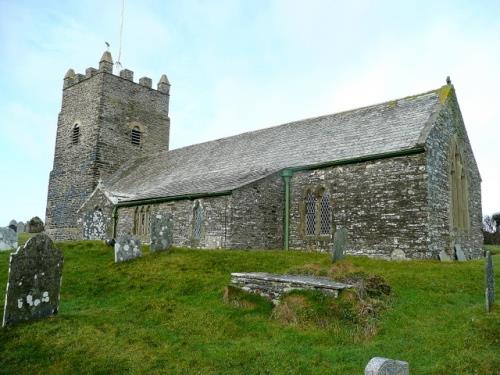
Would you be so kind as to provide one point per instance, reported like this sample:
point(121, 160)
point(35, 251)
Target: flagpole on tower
point(118, 60)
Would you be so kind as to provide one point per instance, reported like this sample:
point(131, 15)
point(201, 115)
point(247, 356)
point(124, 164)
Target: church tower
point(105, 120)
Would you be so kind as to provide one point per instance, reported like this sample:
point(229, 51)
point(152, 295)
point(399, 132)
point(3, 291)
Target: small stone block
point(34, 284)
point(339, 244)
point(459, 253)
point(444, 257)
point(8, 239)
point(79, 77)
point(386, 366)
point(90, 72)
point(161, 232)
point(145, 81)
point(127, 248)
point(127, 74)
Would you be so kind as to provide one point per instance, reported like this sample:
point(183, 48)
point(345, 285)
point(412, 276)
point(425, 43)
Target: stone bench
point(273, 286)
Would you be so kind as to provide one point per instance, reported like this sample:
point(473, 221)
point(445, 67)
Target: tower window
point(135, 137)
point(75, 135)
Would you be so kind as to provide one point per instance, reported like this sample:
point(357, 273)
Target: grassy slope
point(164, 313)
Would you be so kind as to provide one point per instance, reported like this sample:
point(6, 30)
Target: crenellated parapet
point(106, 66)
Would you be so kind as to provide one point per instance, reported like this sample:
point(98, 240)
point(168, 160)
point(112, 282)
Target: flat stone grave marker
point(459, 253)
point(339, 244)
point(34, 283)
point(127, 248)
point(490, 282)
point(8, 239)
point(161, 232)
point(386, 366)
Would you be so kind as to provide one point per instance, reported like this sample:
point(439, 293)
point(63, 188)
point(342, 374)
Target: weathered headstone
point(94, 225)
point(339, 244)
point(34, 284)
point(459, 253)
point(161, 232)
point(8, 239)
point(444, 256)
point(398, 254)
point(13, 225)
point(490, 282)
point(21, 227)
point(386, 366)
point(36, 225)
point(127, 248)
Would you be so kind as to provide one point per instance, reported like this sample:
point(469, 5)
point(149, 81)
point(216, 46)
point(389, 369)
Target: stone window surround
point(75, 133)
point(459, 188)
point(197, 220)
point(142, 220)
point(135, 125)
point(319, 192)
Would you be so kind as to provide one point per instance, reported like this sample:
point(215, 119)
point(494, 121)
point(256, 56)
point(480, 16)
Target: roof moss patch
point(444, 93)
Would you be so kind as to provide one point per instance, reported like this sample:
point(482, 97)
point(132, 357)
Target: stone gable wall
point(382, 204)
point(86, 218)
point(449, 123)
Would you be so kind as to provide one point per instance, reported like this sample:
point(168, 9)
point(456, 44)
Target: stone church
point(399, 176)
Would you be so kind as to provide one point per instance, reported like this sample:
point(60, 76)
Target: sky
point(238, 66)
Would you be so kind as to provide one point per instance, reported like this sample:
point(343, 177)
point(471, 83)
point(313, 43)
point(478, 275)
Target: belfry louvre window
point(310, 213)
point(459, 190)
point(135, 136)
point(198, 216)
point(75, 135)
point(325, 220)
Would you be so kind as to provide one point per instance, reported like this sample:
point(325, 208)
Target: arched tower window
point(135, 137)
point(325, 216)
point(310, 213)
point(459, 189)
point(75, 134)
point(198, 216)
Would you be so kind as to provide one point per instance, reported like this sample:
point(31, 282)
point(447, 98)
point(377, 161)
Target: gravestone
point(8, 239)
point(20, 227)
point(36, 225)
point(398, 254)
point(34, 284)
point(127, 248)
point(490, 282)
point(444, 257)
point(459, 253)
point(386, 366)
point(161, 232)
point(339, 244)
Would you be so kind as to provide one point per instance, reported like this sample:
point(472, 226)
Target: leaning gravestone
point(161, 232)
point(459, 253)
point(34, 284)
point(490, 282)
point(339, 244)
point(8, 239)
point(127, 248)
point(386, 366)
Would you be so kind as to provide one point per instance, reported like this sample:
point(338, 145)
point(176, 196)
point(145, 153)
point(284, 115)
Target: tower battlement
point(106, 66)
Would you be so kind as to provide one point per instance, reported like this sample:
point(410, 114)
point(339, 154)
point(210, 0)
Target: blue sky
point(243, 65)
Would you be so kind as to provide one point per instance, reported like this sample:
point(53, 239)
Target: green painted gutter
point(287, 175)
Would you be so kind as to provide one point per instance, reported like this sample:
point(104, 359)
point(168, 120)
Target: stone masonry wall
point(257, 215)
point(106, 107)
point(89, 217)
point(443, 236)
point(382, 204)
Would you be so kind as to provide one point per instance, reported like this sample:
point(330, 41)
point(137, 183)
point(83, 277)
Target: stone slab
point(127, 248)
point(489, 281)
point(444, 256)
point(34, 283)
point(340, 239)
point(8, 239)
point(386, 366)
point(161, 232)
point(459, 253)
point(273, 286)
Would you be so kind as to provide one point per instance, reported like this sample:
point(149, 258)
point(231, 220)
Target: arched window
point(198, 217)
point(310, 213)
point(459, 189)
point(75, 134)
point(135, 136)
point(325, 217)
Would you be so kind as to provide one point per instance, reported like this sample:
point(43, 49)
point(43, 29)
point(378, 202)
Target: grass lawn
point(164, 313)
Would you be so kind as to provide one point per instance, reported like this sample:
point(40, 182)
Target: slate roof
point(228, 163)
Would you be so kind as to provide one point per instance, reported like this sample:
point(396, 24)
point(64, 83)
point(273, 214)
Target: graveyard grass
point(165, 313)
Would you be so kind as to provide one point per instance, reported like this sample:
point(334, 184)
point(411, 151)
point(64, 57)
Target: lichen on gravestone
point(161, 232)
point(8, 239)
point(34, 281)
point(386, 366)
point(127, 248)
